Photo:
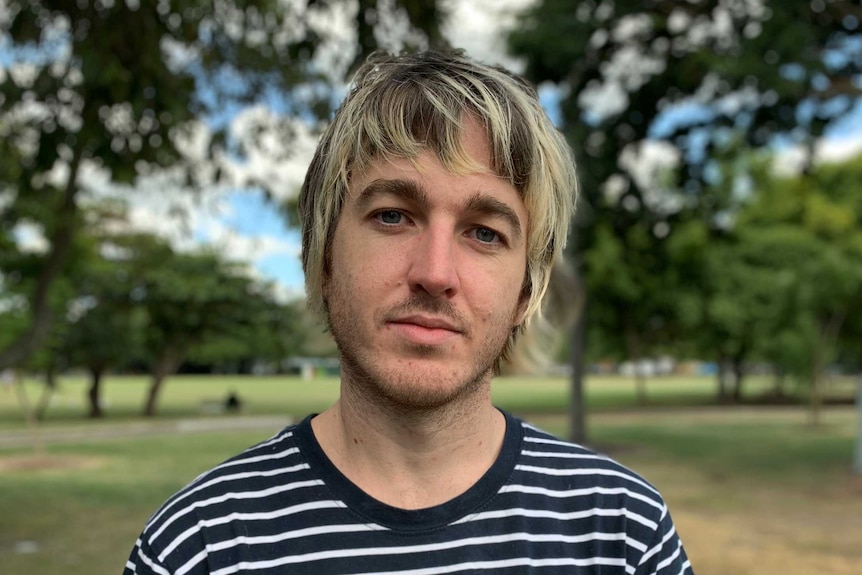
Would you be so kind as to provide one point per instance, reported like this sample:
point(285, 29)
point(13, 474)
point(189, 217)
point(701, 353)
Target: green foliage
point(693, 255)
point(809, 234)
point(129, 89)
point(132, 300)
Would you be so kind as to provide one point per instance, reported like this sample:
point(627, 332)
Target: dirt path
point(776, 535)
point(87, 433)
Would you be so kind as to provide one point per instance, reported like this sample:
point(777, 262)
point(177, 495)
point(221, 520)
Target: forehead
point(465, 182)
point(465, 152)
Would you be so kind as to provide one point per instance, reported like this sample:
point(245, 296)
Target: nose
point(432, 264)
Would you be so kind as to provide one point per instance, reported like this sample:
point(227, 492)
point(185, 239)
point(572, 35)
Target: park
point(754, 489)
point(151, 326)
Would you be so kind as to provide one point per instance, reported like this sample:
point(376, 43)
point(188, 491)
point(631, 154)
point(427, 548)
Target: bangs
point(425, 109)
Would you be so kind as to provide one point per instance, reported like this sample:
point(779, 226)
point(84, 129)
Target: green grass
point(184, 396)
point(84, 517)
point(86, 520)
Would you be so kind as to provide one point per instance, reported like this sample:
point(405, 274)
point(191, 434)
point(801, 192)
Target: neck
point(407, 458)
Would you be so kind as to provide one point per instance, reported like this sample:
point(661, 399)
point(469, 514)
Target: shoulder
point(559, 486)
point(559, 468)
point(254, 480)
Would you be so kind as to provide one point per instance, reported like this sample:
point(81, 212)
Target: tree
point(695, 76)
point(807, 226)
point(269, 332)
point(104, 328)
point(190, 299)
point(128, 88)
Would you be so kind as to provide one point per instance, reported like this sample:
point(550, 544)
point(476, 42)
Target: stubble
point(404, 386)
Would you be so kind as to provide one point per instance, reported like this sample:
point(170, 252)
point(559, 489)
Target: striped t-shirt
point(281, 507)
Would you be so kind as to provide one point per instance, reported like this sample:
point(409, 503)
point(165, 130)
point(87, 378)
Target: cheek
point(368, 275)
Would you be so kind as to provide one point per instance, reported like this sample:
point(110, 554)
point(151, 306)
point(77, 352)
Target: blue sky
point(247, 227)
point(252, 215)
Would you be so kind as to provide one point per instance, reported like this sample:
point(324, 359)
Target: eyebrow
point(412, 191)
point(404, 189)
point(482, 204)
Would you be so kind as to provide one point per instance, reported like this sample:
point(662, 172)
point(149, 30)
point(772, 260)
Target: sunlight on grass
point(726, 472)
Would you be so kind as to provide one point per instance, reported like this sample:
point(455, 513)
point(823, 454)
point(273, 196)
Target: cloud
point(30, 238)
point(475, 26)
point(276, 151)
point(839, 149)
point(792, 160)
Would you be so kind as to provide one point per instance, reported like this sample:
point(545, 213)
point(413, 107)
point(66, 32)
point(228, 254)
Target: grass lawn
point(189, 395)
point(752, 490)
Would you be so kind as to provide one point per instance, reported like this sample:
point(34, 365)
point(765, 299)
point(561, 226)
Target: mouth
point(424, 330)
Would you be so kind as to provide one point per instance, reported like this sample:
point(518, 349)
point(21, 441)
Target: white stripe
point(567, 516)
point(403, 550)
point(298, 534)
point(458, 543)
point(196, 485)
point(587, 471)
point(151, 564)
point(225, 479)
point(566, 455)
point(277, 438)
point(507, 563)
point(670, 559)
point(550, 441)
point(646, 557)
point(238, 495)
point(314, 505)
point(190, 564)
point(545, 437)
point(532, 490)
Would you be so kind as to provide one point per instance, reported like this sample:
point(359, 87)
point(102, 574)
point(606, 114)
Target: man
point(432, 211)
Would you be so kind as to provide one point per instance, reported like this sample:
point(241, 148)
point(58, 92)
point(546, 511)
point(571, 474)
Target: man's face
point(425, 277)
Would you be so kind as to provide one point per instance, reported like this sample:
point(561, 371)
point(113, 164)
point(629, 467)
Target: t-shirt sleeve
point(143, 561)
point(666, 555)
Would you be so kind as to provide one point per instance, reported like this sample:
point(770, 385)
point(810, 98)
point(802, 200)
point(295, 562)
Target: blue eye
point(486, 236)
point(390, 217)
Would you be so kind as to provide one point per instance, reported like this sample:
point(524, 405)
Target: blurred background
point(708, 312)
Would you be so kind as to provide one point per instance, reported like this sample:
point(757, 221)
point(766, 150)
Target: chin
point(423, 384)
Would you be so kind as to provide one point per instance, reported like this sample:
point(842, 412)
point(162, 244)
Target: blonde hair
point(399, 106)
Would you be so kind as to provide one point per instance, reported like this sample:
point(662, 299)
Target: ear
point(521, 310)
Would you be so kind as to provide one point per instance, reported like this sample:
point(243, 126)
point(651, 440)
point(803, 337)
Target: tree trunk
point(153, 394)
point(20, 350)
point(738, 370)
point(94, 394)
point(633, 350)
point(723, 391)
point(165, 365)
point(829, 330)
point(815, 403)
point(47, 394)
point(577, 410)
point(857, 458)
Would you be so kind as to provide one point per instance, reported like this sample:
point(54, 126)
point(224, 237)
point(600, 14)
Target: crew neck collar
point(375, 511)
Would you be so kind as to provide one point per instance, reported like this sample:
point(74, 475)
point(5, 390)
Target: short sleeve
point(143, 561)
point(666, 555)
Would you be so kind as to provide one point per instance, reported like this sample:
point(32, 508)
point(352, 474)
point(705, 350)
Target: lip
point(424, 330)
point(428, 322)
